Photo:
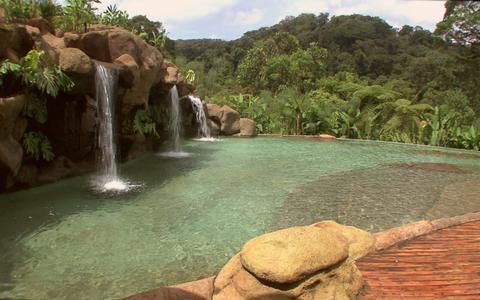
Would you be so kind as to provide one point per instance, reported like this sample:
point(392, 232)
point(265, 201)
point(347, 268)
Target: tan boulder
point(215, 112)
point(51, 45)
point(42, 24)
point(230, 122)
point(171, 74)
point(214, 127)
point(227, 118)
point(247, 127)
point(122, 42)
point(338, 278)
point(288, 255)
point(95, 45)
point(10, 109)
point(360, 242)
point(130, 71)
point(73, 60)
point(11, 154)
point(71, 40)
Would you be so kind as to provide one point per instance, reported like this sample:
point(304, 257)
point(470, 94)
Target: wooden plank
point(444, 264)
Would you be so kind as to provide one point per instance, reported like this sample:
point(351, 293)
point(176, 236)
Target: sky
point(229, 19)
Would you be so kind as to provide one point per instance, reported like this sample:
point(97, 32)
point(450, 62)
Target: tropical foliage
point(38, 146)
point(349, 76)
point(144, 124)
point(38, 78)
point(36, 75)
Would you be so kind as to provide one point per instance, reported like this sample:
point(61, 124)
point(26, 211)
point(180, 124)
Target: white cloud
point(241, 18)
point(174, 11)
point(395, 12)
point(306, 6)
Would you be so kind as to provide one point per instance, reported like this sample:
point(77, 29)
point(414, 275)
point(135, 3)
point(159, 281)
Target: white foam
point(174, 154)
point(208, 139)
point(115, 185)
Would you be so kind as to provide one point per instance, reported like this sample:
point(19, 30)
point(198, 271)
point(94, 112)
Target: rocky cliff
point(145, 79)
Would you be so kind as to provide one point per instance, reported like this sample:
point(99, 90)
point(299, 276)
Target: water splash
point(105, 82)
point(203, 129)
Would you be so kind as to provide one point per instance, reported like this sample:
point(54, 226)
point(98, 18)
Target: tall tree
point(461, 22)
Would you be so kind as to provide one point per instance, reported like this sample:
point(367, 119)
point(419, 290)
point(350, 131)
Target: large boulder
point(230, 122)
point(226, 117)
point(11, 154)
point(10, 108)
point(130, 70)
point(307, 263)
point(247, 127)
point(19, 38)
point(122, 42)
point(42, 24)
point(52, 46)
point(215, 112)
point(171, 73)
point(75, 61)
point(288, 255)
point(94, 44)
point(360, 242)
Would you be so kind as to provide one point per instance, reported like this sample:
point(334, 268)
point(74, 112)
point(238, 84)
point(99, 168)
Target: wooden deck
point(441, 265)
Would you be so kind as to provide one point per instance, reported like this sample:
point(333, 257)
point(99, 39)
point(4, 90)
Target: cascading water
point(203, 130)
point(106, 80)
point(175, 120)
point(175, 126)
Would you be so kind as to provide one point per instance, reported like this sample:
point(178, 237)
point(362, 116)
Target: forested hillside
point(353, 76)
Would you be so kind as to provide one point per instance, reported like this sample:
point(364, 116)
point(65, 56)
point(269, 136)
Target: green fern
point(43, 75)
point(36, 108)
point(37, 145)
point(9, 68)
point(144, 124)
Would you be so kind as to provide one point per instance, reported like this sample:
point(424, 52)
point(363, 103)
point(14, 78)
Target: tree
point(460, 23)
point(78, 14)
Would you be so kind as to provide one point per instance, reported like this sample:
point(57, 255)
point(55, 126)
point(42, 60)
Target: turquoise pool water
point(62, 241)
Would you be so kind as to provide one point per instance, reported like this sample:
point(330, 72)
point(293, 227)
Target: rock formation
point(226, 121)
point(311, 262)
point(144, 81)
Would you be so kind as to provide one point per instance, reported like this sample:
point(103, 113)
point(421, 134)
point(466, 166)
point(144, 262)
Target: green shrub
point(38, 78)
point(38, 146)
point(143, 123)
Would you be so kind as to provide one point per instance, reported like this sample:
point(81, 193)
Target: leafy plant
point(38, 146)
point(190, 76)
point(36, 108)
point(9, 68)
point(143, 123)
point(77, 14)
point(38, 78)
point(40, 73)
point(158, 39)
point(115, 17)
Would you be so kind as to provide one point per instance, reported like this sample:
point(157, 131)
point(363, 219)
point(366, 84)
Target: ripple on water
point(195, 213)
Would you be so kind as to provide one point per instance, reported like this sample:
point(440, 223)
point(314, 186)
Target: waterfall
point(106, 80)
point(175, 120)
point(204, 130)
